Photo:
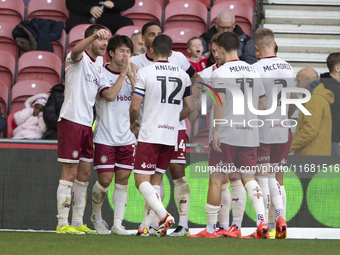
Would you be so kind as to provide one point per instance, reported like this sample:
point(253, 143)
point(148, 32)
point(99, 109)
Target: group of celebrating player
point(156, 86)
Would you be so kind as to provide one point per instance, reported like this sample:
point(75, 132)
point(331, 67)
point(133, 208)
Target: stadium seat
point(10, 124)
point(180, 37)
point(205, 2)
point(144, 11)
point(161, 3)
point(7, 68)
point(129, 30)
point(59, 46)
point(7, 42)
point(243, 14)
point(12, 11)
point(23, 90)
point(3, 98)
point(189, 14)
point(77, 34)
point(39, 65)
point(48, 9)
point(251, 3)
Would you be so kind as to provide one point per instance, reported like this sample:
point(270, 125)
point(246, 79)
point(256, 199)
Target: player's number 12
point(178, 88)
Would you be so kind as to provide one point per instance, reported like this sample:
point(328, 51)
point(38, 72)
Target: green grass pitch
point(12, 243)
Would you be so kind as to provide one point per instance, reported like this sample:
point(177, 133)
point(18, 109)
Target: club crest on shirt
point(75, 154)
point(103, 159)
point(127, 80)
point(99, 69)
point(89, 77)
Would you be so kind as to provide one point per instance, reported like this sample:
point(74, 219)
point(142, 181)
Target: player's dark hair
point(149, 24)
point(162, 45)
point(333, 60)
point(117, 41)
point(229, 41)
point(91, 29)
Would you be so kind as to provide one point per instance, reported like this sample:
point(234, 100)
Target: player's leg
point(223, 214)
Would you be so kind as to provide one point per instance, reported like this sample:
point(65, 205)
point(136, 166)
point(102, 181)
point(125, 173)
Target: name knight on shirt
point(166, 67)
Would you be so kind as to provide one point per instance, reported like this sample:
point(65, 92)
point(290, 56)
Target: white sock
point(212, 212)
point(223, 214)
point(119, 200)
point(182, 194)
point(63, 201)
point(153, 199)
point(256, 198)
point(284, 200)
point(263, 182)
point(271, 217)
point(238, 202)
point(98, 195)
point(150, 217)
point(79, 195)
point(275, 193)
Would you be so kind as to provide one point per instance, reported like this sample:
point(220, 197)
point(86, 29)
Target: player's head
point(333, 64)
point(195, 47)
point(225, 21)
point(213, 48)
point(162, 46)
point(98, 46)
point(264, 39)
point(305, 77)
point(149, 31)
point(138, 44)
point(227, 43)
point(119, 47)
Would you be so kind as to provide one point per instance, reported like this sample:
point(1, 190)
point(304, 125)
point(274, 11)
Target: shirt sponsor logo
point(123, 98)
point(149, 166)
point(166, 126)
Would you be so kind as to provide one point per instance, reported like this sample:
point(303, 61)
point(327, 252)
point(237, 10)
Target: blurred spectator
point(195, 49)
point(225, 22)
point(314, 132)
point(2, 121)
point(331, 81)
point(29, 121)
point(138, 44)
point(82, 10)
point(52, 110)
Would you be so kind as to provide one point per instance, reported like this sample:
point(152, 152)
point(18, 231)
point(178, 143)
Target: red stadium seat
point(10, 124)
point(48, 9)
point(189, 14)
point(129, 30)
point(3, 98)
point(39, 65)
point(7, 42)
point(161, 3)
point(23, 90)
point(144, 11)
point(77, 34)
point(205, 2)
point(242, 11)
point(180, 37)
point(7, 68)
point(12, 11)
point(59, 46)
point(251, 3)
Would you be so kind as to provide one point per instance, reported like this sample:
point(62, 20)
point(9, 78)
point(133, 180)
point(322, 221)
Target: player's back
point(163, 85)
point(275, 73)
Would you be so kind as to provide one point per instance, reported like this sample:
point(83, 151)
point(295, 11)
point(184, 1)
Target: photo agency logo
point(242, 96)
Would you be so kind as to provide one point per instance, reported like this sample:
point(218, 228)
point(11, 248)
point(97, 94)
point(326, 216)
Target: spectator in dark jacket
point(2, 122)
point(82, 10)
point(225, 22)
point(52, 110)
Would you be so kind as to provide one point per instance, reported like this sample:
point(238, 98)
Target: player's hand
point(135, 128)
point(134, 69)
point(96, 12)
point(196, 92)
point(101, 34)
point(108, 4)
point(126, 67)
point(216, 142)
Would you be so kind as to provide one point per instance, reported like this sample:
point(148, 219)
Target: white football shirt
point(82, 81)
point(113, 118)
point(163, 86)
point(274, 72)
point(239, 75)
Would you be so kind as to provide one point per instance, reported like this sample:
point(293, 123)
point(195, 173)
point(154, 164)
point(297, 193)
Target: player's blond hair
point(264, 38)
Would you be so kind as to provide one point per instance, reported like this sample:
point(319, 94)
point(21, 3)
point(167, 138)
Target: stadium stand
point(10, 124)
point(207, 3)
point(129, 30)
point(180, 37)
point(12, 11)
point(47, 9)
point(39, 65)
point(143, 12)
point(7, 68)
point(22, 90)
point(7, 42)
point(3, 98)
point(188, 14)
point(59, 46)
point(251, 3)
